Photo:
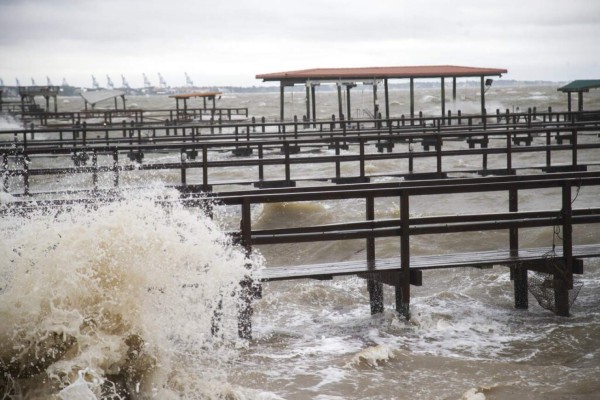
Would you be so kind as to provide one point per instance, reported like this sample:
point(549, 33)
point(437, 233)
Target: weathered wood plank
point(456, 260)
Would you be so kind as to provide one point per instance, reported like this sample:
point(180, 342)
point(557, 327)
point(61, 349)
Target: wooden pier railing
point(558, 261)
point(109, 155)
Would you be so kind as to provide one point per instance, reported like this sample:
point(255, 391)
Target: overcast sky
point(228, 42)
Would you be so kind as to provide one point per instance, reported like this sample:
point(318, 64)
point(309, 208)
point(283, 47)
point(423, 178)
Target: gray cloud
point(229, 42)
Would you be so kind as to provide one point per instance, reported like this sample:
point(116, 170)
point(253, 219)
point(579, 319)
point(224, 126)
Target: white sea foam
point(127, 292)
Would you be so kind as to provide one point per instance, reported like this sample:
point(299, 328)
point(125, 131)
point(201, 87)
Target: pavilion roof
point(427, 71)
point(195, 94)
point(581, 85)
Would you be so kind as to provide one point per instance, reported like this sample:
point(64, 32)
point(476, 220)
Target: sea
point(135, 300)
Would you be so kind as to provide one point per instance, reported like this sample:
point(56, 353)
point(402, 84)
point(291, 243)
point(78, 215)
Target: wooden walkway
point(477, 259)
point(400, 272)
point(201, 156)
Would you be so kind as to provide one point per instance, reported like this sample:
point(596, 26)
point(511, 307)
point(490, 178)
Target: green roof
point(581, 85)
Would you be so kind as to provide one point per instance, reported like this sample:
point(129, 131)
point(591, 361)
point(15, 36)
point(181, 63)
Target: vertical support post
point(116, 168)
point(375, 101)
point(482, 89)
point(548, 150)
point(313, 102)
point(387, 98)
point(580, 101)
point(261, 172)
point(453, 88)
point(307, 101)
point(412, 100)
point(403, 283)
point(340, 105)
point(246, 310)
point(348, 107)
point(519, 273)
point(286, 147)
point(281, 101)
point(375, 288)
point(361, 143)
point(508, 153)
point(337, 159)
point(563, 279)
point(443, 98)
point(205, 167)
point(574, 146)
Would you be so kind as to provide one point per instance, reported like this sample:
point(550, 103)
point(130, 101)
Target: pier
point(270, 157)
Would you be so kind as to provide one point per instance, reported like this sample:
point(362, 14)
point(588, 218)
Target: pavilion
point(186, 96)
point(579, 87)
point(348, 77)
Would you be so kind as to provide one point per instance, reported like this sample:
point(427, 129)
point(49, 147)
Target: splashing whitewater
point(121, 297)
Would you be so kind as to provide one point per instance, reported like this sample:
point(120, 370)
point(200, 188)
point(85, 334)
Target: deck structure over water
point(348, 77)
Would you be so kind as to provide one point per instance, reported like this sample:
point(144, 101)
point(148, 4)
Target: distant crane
point(18, 83)
point(48, 81)
point(109, 83)
point(33, 82)
point(95, 83)
point(147, 83)
point(64, 82)
point(124, 81)
point(1, 82)
point(161, 81)
point(188, 81)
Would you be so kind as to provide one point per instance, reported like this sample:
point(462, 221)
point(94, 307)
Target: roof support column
point(482, 89)
point(412, 98)
point(569, 101)
point(348, 107)
point(453, 88)
point(443, 90)
point(281, 109)
point(375, 101)
point(340, 105)
point(387, 99)
point(580, 100)
point(307, 101)
point(313, 102)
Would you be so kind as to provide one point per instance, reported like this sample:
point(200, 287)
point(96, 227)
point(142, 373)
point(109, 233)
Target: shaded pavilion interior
point(579, 86)
point(347, 78)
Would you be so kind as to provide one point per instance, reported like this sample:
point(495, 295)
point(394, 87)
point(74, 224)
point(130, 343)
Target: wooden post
point(548, 150)
point(246, 310)
point(348, 107)
point(453, 88)
point(387, 99)
point(563, 278)
point(261, 172)
point(281, 101)
point(313, 102)
point(519, 272)
point(205, 167)
point(307, 101)
point(482, 89)
point(443, 98)
point(403, 283)
point(412, 100)
point(340, 105)
point(116, 168)
point(375, 288)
